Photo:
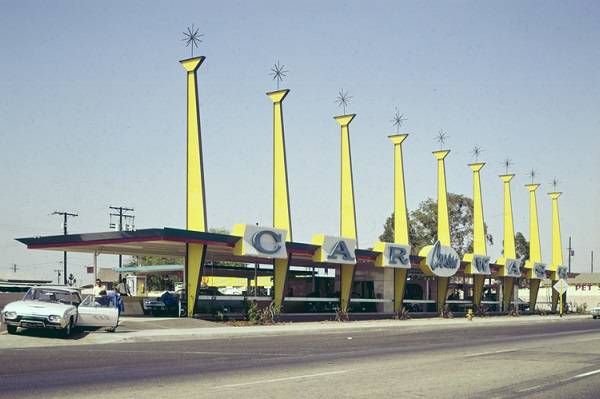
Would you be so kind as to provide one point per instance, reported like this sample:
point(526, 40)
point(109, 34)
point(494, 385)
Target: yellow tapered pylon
point(196, 201)
point(281, 199)
point(400, 218)
point(347, 207)
point(478, 261)
point(510, 268)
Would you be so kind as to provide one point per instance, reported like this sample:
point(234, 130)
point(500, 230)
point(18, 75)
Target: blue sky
point(93, 112)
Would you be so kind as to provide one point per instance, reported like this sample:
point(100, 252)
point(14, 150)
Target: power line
point(129, 223)
point(65, 215)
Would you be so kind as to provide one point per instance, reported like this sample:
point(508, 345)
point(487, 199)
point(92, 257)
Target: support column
point(557, 254)
point(443, 233)
point(510, 269)
point(195, 193)
point(479, 256)
point(535, 251)
point(347, 208)
point(281, 199)
point(400, 218)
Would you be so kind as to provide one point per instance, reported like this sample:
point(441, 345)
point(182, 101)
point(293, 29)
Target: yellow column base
point(399, 288)
point(534, 287)
point(478, 281)
point(194, 262)
point(280, 271)
point(442, 292)
point(555, 296)
point(507, 293)
point(346, 278)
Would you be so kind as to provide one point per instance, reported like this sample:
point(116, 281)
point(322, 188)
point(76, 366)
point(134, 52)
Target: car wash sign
point(442, 260)
point(512, 267)
point(392, 255)
point(261, 242)
point(332, 249)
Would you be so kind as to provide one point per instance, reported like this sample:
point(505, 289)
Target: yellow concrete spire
point(479, 243)
point(535, 250)
point(400, 209)
point(510, 268)
point(557, 254)
point(281, 200)
point(448, 263)
point(196, 201)
point(347, 207)
point(400, 218)
point(509, 227)
point(443, 230)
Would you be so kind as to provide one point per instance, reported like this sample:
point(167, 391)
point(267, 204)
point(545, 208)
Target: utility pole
point(256, 276)
point(122, 214)
point(57, 275)
point(65, 215)
point(15, 268)
point(570, 253)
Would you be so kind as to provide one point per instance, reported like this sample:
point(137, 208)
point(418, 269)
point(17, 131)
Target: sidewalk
point(133, 329)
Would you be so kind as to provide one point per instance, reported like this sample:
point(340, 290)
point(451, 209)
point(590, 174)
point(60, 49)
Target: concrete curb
point(177, 334)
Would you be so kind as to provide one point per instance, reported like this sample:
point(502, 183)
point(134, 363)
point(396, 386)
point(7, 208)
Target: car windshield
point(52, 295)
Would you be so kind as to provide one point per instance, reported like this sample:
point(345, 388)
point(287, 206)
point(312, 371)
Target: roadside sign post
point(561, 287)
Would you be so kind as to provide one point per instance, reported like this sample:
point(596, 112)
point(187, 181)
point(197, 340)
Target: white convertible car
point(58, 308)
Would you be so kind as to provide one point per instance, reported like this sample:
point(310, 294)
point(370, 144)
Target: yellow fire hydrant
point(470, 314)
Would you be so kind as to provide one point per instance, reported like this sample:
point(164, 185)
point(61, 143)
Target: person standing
point(123, 288)
point(98, 287)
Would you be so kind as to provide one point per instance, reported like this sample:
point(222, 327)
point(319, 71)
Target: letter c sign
point(268, 245)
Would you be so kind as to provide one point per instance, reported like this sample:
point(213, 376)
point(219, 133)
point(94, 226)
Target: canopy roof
point(169, 242)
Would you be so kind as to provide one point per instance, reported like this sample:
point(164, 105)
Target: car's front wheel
point(65, 332)
point(11, 329)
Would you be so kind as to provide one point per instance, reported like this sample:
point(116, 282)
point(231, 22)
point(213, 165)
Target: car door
point(92, 314)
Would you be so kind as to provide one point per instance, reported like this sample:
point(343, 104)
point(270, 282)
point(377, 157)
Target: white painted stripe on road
point(297, 377)
point(490, 353)
point(163, 352)
point(530, 388)
point(587, 374)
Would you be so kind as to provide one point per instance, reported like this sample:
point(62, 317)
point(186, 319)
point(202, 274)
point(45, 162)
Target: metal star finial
point(555, 183)
point(532, 174)
point(191, 37)
point(441, 138)
point(398, 120)
point(278, 72)
point(507, 164)
point(476, 152)
point(343, 99)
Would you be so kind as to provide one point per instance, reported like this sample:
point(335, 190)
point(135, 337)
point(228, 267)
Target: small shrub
point(446, 313)
point(341, 315)
point(403, 314)
point(252, 312)
point(267, 315)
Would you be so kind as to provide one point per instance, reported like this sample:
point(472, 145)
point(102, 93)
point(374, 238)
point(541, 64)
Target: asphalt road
point(559, 359)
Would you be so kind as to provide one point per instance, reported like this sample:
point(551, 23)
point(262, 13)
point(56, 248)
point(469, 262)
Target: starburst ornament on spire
point(476, 152)
point(441, 138)
point(398, 120)
point(555, 183)
point(507, 164)
point(532, 174)
point(278, 72)
point(191, 37)
point(343, 99)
